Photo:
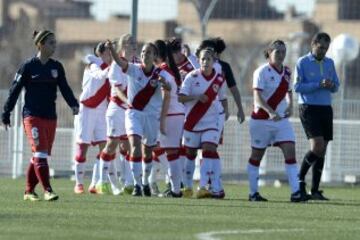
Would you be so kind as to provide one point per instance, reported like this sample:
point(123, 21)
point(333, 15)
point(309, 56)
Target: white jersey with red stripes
point(185, 67)
point(273, 86)
point(144, 86)
point(196, 84)
point(175, 107)
point(118, 79)
point(94, 81)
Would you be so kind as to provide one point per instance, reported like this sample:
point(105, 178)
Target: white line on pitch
point(212, 235)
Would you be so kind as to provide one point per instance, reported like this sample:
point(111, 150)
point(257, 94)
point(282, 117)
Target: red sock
point(42, 172)
point(31, 179)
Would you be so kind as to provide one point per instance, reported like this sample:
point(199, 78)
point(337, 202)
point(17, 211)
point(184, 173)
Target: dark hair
point(321, 36)
point(175, 44)
point(41, 36)
point(220, 45)
point(156, 51)
point(207, 43)
point(99, 49)
point(209, 50)
point(272, 46)
point(165, 54)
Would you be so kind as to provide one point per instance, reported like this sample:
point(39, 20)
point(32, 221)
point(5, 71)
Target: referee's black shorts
point(317, 121)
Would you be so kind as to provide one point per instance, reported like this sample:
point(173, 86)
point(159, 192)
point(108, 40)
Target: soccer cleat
point(92, 189)
point(79, 189)
point(171, 194)
point(127, 190)
point(103, 188)
point(146, 190)
point(318, 195)
point(50, 196)
point(203, 193)
point(31, 196)
point(298, 197)
point(116, 191)
point(218, 195)
point(302, 189)
point(187, 192)
point(256, 197)
point(154, 189)
point(137, 191)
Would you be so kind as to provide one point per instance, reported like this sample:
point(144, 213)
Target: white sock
point(205, 171)
point(96, 173)
point(216, 182)
point(146, 172)
point(189, 172)
point(104, 171)
point(79, 172)
point(121, 169)
point(292, 173)
point(175, 175)
point(113, 177)
point(154, 172)
point(253, 175)
point(129, 181)
point(182, 160)
point(136, 169)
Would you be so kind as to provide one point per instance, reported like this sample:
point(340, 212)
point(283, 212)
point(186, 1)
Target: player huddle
point(164, 102)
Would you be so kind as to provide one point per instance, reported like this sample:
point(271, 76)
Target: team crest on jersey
point(153, 82)
point(54, 73)
point(215, 87)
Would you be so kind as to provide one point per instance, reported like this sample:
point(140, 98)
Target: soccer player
point(184, 66)
point(171, 117)
point(142, 117)
point(269, 124)
point(115, 119)
point(203, 93)
point(40, 76)
point(90, 125)
point(315, 81)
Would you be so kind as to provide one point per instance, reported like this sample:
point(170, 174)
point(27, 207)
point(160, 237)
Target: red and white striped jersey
point(175, 107)
point(273, 86)
point(144, 90)
point(195, 84)
point(118, 79)
point(95, 85)
point(185, 67)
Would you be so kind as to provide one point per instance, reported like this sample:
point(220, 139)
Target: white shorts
point(196, 139)
point(221, 125)
point(90, 125)
point(142, 124)
point(174, 131)
point(115, 121)
point(264, 133)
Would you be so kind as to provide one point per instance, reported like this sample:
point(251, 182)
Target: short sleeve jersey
point(273, 86)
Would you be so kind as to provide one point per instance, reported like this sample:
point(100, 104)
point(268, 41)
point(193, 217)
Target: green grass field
point(125, 217)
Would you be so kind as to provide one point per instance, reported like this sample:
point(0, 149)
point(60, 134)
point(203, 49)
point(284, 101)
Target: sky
point(166, 9)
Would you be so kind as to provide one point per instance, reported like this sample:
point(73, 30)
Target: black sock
point(309, 159)
point(316, 174)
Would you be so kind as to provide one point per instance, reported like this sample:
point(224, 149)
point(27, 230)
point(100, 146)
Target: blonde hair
point(123, 40)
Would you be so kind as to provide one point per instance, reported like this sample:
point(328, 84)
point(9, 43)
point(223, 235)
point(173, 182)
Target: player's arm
point(66, 91)
point(123, 63)
point(263, 104)
point(14, 92)
point(185, 93)
point(120, 94)
point(290, 101)
point(164, 110)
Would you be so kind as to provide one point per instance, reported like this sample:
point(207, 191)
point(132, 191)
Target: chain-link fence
point(245, 25)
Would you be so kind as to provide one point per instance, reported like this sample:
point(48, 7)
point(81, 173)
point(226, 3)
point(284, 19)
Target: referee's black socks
point(316, 174)
point(309, 159)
